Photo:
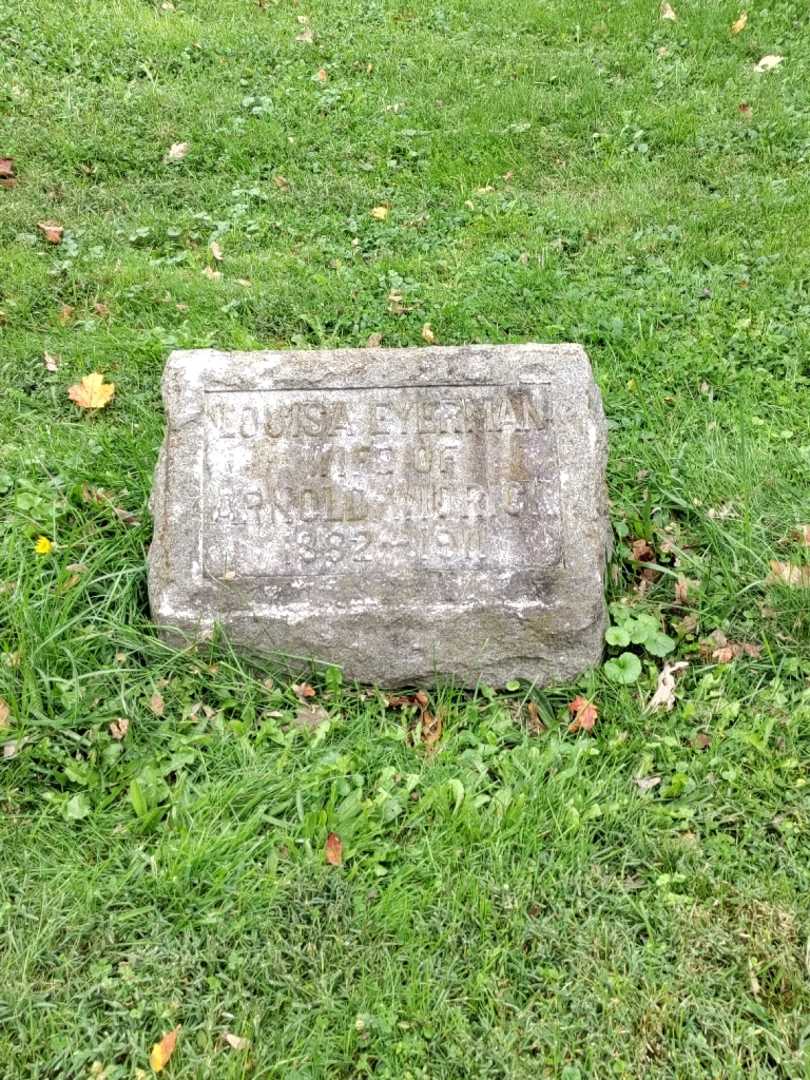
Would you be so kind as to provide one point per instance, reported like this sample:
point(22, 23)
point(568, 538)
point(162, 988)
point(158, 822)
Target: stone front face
point(408, 514)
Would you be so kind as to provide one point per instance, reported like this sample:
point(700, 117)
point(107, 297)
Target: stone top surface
point(406, 513)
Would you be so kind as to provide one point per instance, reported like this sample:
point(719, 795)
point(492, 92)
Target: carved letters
point(331, 481)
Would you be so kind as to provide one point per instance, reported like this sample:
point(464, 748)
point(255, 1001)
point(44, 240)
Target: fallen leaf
point(641, 551)
point(802, 534)
point(306, 35)
point(718, 648)
point(535, 724)
point(51, 361)
point(431, 729)
point(701, 741)
point(281, 182)
point(8, 177)
point(584, 714)
point(740, 24)
point(687, 625)
point(65, 314)
point(176, 152)
point(374, 341)
point(236, 1042)
point(43, 546)
point(303, 691)
point(163, 1050)
point(51, 231)
point(211, 273)
point(667, 12)
point(10, 749)
point(790, 574)
point(769, 62)
point(334, 849)
point(427, 334)
point(745, 110)
point(216, 250)
point(68, 584)
point(380, 213)
point(647, 783)
point(126, 517)
point(157, 704)
point(92, 392)
point(119, 728)
point(244, 282)
point(5, 713)
point(322, 75)
point(683, 586)
point(664, 696)
point(396, 305)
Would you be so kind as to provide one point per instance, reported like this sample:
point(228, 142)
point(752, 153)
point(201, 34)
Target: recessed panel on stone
point(409, 514)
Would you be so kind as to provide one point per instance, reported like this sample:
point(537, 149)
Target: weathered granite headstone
point(407, 514)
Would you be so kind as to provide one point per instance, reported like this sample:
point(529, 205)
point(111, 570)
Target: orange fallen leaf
point(303, 691)
point(322, 75)
point(51, 231)
point(92, 392)
point(740, 24)
point(8, 177)
point(334, 849)
point(790, 574)
point(584, 714)
point(431, 729)
point(156, 704)
point(163, 1050)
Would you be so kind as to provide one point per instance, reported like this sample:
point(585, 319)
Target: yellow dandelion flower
point(43, 546)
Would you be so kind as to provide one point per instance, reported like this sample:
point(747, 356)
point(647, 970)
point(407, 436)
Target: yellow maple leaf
point(92, 392)
point(163, 1050)
point(43, 546)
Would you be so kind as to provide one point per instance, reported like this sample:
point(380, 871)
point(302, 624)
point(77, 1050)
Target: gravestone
point(406, 514)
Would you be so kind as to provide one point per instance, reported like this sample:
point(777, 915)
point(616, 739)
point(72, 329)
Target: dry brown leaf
point(745, 110)
point(211, 273)
point(740, 24)
point(176, 152)
point(535, 724)
point(769, 62)
point(8, 177)
point(333, 849)
point(380, 213)
point(667, 12)
point(802, 534)
point(157, 704)
point(163, 1050)
point(11, 749)
point(303, 691)
point(51, 361)
point(5, 713)
point(428, 335)
point(702, 741)
point(647, 783)
point(306, 35)
point(431, 729)
point(374, 341)
point(790, 574)
point(68, 584)
point(641, 551)
point(92, 392)
point(322, 75)
point(664, 696)
point(216, 250)
point(585, 714)
point(236, 1042)
point(66, 314)
point(281, 182)
point(52, 232)
point(718, 648)
point(101, 310)
point(119, 728)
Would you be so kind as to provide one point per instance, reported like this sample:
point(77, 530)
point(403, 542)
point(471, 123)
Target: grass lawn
point(513, 903)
